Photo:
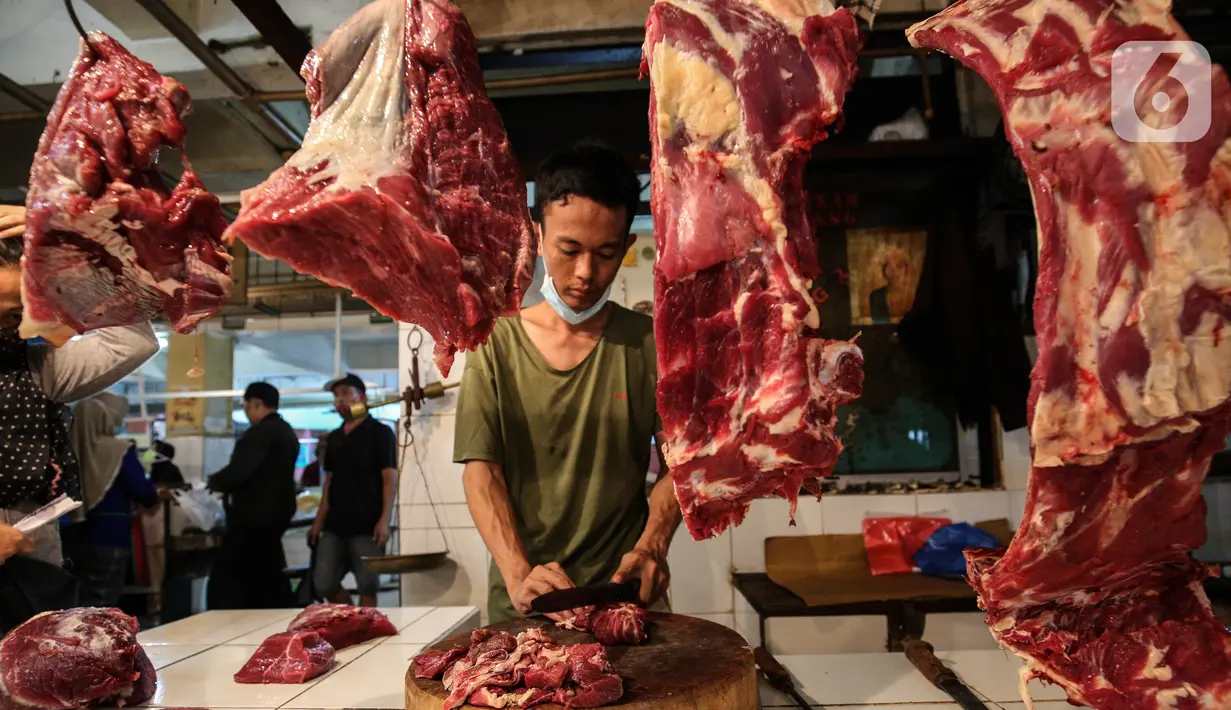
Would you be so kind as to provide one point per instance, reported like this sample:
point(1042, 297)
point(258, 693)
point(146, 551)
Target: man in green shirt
point(556, 412)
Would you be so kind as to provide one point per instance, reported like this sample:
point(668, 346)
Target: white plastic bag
point(201, 509)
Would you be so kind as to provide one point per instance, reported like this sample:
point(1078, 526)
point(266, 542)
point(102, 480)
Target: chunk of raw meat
point(1098, 591)
point(501, 670)
point(106, 242)
point(76, 658)
point(343, 625)
point(288, 657)
point(747, 387)
point(612, 624)
point(405, 190)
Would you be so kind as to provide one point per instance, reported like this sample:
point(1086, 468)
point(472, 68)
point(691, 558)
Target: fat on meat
point(107, 243)
point(343, 625)
point(77, 658)
point(1098, 591)
point(620, 624)
point(288, 657)
point(748, 388)
point(405, 190)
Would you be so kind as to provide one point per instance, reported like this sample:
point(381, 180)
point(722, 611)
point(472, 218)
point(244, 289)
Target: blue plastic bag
point(941, 555)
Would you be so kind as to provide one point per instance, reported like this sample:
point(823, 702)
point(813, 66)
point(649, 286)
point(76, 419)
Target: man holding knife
point(556, 413)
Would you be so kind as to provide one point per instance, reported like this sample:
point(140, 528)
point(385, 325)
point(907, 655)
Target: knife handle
point(775, 673)
point(923, 656)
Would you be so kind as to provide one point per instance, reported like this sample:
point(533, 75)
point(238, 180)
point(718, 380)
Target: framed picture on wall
point(885, 266)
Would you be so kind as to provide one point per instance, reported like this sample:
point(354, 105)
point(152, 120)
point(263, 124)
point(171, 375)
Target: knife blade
point(923, 656)
point(577, 597)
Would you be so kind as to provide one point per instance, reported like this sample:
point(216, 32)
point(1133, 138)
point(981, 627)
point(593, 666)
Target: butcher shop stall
point(929, 391)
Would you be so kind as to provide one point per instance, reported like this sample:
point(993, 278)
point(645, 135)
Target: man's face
point(583, 245)
point(343, 397)
point(896, 269)
point(254, 409)
point(10, 297)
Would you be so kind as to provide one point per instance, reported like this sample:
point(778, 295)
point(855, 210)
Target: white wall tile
point(958, 632)
point(771, 517)
point(1017, 508)
point(449, 515)
point(461, 581)
point(843, 515)
point(700, 574)
point(747, 622)
point(819, 635)
point(434, 448)
point(969, 507)
point(1015, 458)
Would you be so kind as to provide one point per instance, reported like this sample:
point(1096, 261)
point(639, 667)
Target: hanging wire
point(408, 446)
point(72, 15)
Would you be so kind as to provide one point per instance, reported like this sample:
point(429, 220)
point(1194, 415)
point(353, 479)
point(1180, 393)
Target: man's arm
point(245, 460)
point(82, 368)
point(487, 497)
point(388, 488)
point(322, 510)
point(665, 515)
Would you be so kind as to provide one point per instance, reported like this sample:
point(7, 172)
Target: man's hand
point(541, 580)
point(12, 221)
point(381, 533)
point(650, 566)
point(13, 542)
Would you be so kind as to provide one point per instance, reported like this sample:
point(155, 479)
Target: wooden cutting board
point(687, 664)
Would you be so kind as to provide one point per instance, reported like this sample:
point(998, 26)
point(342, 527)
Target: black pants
point(247, 571)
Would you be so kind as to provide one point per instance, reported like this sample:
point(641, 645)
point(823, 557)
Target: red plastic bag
point(892, 542)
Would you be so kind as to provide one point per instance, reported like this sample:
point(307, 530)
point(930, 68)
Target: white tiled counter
point(197, 657)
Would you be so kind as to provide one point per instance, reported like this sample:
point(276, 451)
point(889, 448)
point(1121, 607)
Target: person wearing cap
point(356, 499)
point(258, 487)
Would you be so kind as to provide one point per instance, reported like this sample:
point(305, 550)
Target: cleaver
point(577, 597)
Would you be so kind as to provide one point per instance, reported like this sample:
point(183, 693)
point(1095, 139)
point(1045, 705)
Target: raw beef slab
point(76, 658)
point(106, 243)
point(405, 190)
point(501, 670)
point(288, 657)
point(612, 624)
point(747, 387)
point(343, 625)
point(1129, 400)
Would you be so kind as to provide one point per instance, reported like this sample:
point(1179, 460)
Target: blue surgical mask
point(564, 310)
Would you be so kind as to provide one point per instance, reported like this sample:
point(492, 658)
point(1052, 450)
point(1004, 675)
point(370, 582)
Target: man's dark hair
point(10, 252)
point(265, 392)
point(592, 170)
point(349, 380)
point(164, 448)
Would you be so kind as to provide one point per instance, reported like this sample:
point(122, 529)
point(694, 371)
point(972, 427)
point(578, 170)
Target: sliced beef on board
point(405, 190)
point(343, 625)
point(1098, 592)
point(612, 624)
point(747, 387)
point(502, 670)
point(106, 242)
point(76, 658)
point(288, 657)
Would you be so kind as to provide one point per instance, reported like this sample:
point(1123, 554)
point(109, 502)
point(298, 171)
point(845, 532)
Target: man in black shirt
point(259, 495)
point(356, 500)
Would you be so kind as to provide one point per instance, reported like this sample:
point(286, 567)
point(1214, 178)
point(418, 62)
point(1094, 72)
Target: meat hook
point(72, 15)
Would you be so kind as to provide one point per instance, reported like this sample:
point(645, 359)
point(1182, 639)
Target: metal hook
point(72, 15)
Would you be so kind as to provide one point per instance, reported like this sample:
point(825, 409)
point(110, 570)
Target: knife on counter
point(778, 677)
point(923, 655)
point(594, 594)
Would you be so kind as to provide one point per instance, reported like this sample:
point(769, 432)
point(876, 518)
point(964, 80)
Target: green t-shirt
point(574, 445)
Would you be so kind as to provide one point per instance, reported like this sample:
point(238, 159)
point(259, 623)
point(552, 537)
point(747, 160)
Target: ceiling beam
point(276, 28)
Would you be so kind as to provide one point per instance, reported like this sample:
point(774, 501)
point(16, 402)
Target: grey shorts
point(46, 538)
point(335, 556)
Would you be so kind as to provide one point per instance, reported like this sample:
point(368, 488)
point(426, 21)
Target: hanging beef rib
point(405, 190)
point(1098, 592)
point(747, 387)
point(106, 242)
point(78, 658)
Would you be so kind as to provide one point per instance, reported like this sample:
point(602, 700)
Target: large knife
point(577, 597)
point(924, 657)
point(778, 677)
